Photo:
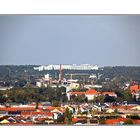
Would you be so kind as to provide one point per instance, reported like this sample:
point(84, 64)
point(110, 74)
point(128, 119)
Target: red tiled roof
point(49, 114)
point(92, 91)
point(32, 113)
point(74, 120)
point(40, 119)
point(37, 113)
point(17, 108)
point(136, 121)
point(134, 88)
point(51, 108)
point(115, 121)
point(20, 123)
point(122, 107)
point(118, 120)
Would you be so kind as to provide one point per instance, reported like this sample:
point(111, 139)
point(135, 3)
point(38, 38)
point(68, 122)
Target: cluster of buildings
point(71, 84)
point(44, 81)
point(83, 114)
point(68, 67)
point(29, 114)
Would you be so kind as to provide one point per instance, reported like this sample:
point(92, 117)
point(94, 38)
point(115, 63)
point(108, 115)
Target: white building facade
point(68, 67)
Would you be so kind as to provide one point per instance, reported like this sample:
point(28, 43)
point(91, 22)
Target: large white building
point(90, 94)
point(68, 67)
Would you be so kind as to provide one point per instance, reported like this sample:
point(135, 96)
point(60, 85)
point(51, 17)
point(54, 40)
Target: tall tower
point(60, 73)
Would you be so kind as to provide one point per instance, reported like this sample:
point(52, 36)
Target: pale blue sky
point(104, 40)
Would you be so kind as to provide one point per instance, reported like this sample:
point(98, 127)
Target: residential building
point(90, 94)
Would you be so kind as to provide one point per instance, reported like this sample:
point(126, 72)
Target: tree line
point(29, 95)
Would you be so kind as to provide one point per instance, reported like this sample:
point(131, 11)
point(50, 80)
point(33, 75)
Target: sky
point(103, 40)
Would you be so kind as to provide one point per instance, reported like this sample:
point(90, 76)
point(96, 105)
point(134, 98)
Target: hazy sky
point(71, 39)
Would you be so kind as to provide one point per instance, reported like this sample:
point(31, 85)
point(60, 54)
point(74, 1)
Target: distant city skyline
point(103, 40)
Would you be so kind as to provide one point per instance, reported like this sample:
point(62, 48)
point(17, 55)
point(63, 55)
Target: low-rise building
point(90, 94)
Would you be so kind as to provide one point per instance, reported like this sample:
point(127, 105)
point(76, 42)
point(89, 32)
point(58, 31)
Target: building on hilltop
point(68, 67)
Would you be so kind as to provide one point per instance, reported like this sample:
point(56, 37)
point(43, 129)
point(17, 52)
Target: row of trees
point(122, 72)
point(28, 95)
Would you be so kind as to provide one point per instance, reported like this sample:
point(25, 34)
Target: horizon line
point(69, 64)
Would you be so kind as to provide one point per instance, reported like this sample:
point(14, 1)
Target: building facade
point(68, 67)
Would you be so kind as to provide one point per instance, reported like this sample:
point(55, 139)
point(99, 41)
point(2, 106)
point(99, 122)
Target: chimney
point(60, 73)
